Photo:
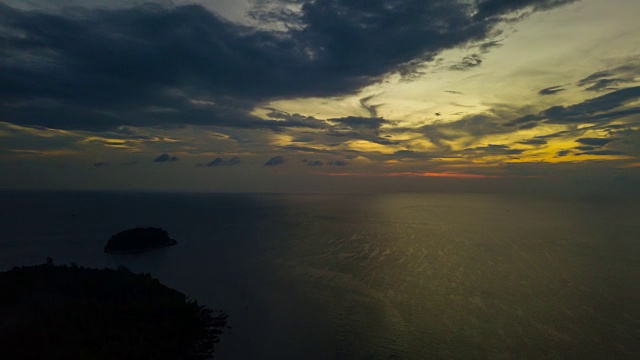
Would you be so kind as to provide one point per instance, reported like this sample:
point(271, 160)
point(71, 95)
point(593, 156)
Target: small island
point(138, 239)
point(71, 312)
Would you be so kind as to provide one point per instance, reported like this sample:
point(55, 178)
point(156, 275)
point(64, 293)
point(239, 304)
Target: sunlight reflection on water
point(404, 276)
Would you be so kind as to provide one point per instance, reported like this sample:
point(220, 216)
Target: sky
point(320, 95)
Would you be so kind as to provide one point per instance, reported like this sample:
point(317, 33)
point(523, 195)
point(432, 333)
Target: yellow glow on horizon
point(40, 132)
point(27, 152)
point(415, 174)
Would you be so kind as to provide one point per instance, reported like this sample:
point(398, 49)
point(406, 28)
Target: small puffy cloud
point(217, 162)
point(233, 161)
point(274, 161)
point(339, 163)
point(313, 162)
point(221, 162)
point(165, 158)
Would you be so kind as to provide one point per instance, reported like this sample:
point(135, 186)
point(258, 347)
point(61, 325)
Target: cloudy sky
point(320, 95)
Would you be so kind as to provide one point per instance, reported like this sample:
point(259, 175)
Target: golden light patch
point(111, 141)
point(368, 146)
point(421, 145)
point(281, 140)
point(361, 159)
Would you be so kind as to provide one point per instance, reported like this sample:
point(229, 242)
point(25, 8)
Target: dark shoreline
point(70, 312)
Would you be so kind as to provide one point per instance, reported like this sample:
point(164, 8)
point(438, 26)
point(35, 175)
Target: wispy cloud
point(551, 90)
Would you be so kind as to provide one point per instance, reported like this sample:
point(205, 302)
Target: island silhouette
point(71, 312)
point(138, 239)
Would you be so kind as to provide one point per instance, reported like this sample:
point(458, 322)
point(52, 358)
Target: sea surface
point(369, 276)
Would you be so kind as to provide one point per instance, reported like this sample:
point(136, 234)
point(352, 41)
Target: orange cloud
point(418, 174)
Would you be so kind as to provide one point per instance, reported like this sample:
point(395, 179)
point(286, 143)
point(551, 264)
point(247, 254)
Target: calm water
point(399, 276)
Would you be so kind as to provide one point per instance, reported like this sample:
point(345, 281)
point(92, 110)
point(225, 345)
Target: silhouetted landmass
point(70, 312)
point(138, 239)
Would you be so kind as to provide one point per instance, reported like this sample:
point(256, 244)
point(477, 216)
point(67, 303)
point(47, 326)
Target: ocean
point(368, 276)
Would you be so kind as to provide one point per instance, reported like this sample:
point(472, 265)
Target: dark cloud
point(612, 78)
point(601, 111)
point(530, 125)
point(217, 162)
point(454, 92)
point(493, 8)
point(314, 162)
point(533, 142)
point(602, 152)
point(339, 163)
point(494, 150)
point(355, 122)
point(371, 109)
point(405, 153)
point(359, 128)
point(295, 120)
point(278, 160)
point(603, 108)
point(221, 162)
point(306, 149)
point(523, 120)
point(468, 62)
point(472, 125)
point(101, 164)
point(149, 65)
point(165, 158)
point(606, 84)
point(551, 90)
point(563, 153)
point(487, 46)
point(554, 135)
point(594, 141)
point(233, 161)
